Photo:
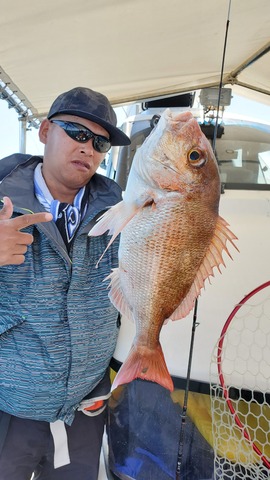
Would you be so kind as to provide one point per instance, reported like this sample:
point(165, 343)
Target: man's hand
point(13, 242)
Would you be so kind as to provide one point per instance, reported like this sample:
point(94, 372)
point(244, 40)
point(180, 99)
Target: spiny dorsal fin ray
point(213, 258)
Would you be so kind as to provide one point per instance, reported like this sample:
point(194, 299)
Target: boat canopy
point(132, 50)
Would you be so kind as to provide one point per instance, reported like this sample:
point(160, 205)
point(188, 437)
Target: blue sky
point(9, 123)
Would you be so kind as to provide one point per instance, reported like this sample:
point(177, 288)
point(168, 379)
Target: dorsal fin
point(213, 258)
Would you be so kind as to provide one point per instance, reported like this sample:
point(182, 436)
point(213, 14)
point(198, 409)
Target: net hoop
point(237, 420)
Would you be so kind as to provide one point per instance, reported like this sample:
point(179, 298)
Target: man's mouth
point(81, 164)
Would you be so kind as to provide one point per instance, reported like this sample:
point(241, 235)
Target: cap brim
point(117, 137)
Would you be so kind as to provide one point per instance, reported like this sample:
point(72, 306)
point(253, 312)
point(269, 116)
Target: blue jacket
point(58, 329)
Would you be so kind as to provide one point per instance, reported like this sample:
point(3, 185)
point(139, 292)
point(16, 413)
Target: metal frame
point(14, 97)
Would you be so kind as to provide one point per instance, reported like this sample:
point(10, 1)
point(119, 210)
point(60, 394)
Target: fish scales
point(170, 253)
point(171, 238)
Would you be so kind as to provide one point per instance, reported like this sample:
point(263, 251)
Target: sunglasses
point(81, 134)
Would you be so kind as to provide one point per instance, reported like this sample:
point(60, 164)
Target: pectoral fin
point(117, 217)
point(114, 220)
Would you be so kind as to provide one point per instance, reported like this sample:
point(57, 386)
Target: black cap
point(86, 103)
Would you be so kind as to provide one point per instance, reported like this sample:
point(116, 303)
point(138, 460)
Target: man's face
point(67, 163)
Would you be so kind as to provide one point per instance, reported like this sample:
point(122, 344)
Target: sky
point(9, 133)
point(10, 128)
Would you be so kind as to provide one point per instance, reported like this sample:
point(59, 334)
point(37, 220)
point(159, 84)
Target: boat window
point(243, 155)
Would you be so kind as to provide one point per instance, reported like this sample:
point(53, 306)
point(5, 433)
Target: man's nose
point(87, 147)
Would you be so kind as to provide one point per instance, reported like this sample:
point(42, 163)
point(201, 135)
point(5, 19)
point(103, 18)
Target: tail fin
point(145, 364)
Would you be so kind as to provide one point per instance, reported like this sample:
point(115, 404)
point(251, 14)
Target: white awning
point(132, 49)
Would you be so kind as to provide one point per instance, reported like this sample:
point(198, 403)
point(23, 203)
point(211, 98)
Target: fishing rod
point(194, 322)
point(221, 75)
point(184, 409)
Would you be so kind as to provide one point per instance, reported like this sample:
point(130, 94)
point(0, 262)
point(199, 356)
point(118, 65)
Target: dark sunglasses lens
point(101, 144)
point(82, 135)
point(77, 134)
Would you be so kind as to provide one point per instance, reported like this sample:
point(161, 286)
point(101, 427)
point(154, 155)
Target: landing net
point(240, 391)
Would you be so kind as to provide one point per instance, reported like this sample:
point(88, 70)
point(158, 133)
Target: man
point(58, 328)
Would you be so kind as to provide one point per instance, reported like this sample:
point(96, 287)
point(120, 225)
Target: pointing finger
point(31, 219)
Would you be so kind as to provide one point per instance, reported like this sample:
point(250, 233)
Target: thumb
point(7, 209)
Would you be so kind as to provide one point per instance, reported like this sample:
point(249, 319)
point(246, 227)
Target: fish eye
point(196, 157)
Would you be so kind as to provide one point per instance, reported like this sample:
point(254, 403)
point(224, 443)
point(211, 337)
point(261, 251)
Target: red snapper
point(172, 237)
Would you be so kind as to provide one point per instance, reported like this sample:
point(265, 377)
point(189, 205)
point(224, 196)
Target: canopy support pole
point(22, 133)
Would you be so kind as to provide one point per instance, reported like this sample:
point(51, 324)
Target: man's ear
point(43, 130)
